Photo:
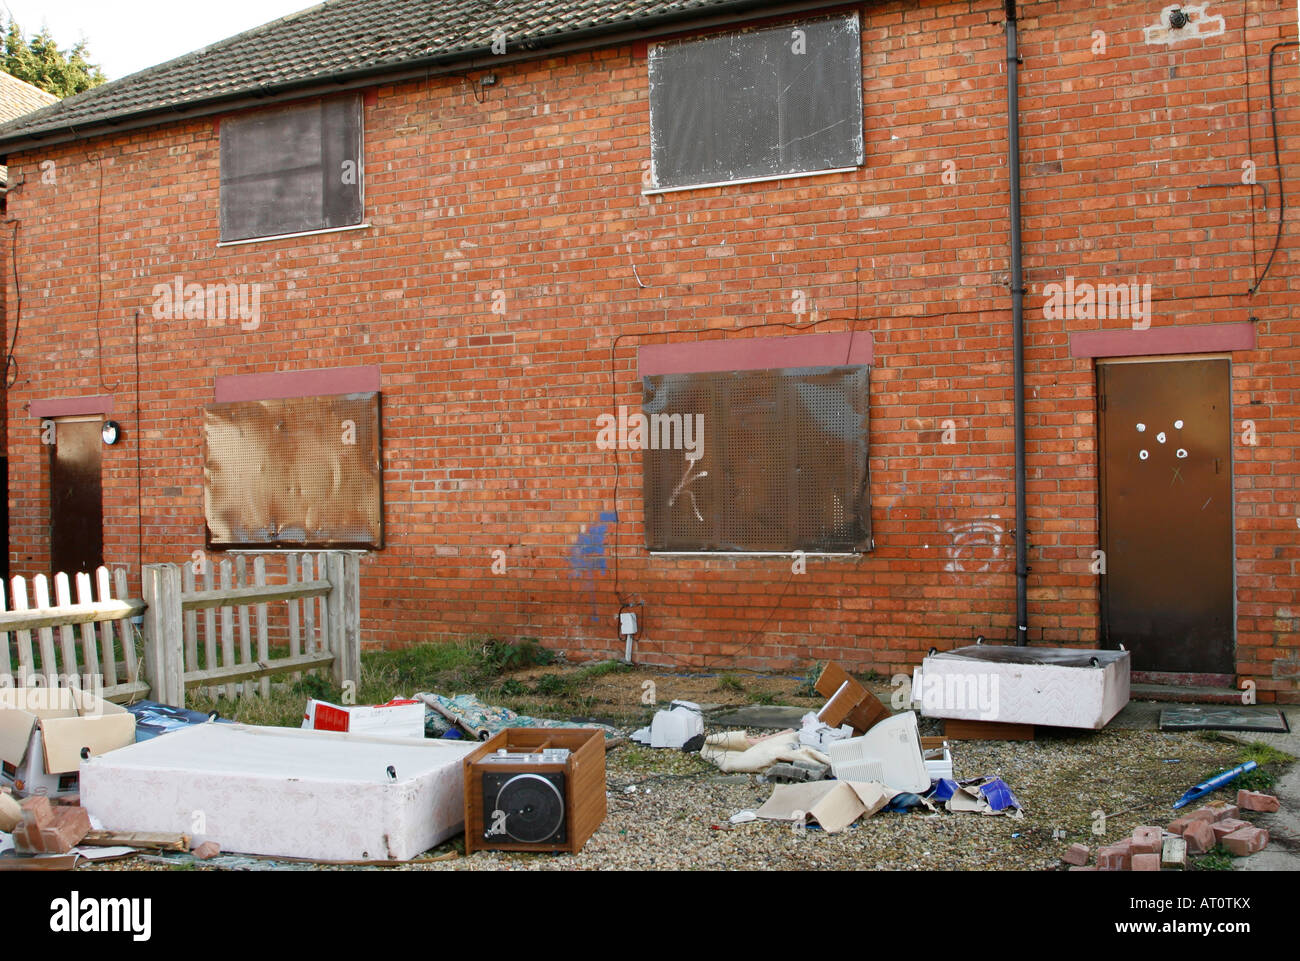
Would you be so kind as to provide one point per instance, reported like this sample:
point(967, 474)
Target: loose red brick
point(72, 823)
point(1227, 826)
point(1245, 841)
point(38, 810)
point(1077, 854)
point(65, 830)
point(52, 841)
point(207, 850)
point(1222, 809)
point(1199, 837)
point(1180, 825)
point(1146, 840)
point(1256, 801)
point(1114, 857)
point(1146, 862)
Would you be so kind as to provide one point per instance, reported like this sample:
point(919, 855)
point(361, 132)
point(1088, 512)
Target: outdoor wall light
point(111, 432)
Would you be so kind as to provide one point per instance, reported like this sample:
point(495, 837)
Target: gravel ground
point(677, 818)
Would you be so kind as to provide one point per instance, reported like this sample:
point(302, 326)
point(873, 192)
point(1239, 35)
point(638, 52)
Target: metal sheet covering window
point(767, 103)
point(291, 171)
point(299, 472)
point(781, 464)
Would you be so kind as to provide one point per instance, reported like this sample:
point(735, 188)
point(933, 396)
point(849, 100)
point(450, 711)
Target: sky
point(129, 35)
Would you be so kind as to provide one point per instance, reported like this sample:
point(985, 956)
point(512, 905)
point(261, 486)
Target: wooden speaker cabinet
point(535, 789)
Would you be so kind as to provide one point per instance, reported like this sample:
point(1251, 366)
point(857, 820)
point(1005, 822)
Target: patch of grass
point(1216, 859)
point(1269, 759)
point(1260, 779)
point(601, 668)
point(729, 682)
point(551, 685)
point(450, 667)
point(1262, 754)
point(762, 697)
point(511, 687)
point(314, 685)
point(499, 657)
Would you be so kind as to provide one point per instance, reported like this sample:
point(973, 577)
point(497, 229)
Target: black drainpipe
point(1017, 322)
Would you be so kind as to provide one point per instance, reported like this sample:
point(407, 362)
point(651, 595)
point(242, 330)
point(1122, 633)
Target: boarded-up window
point(291, 171)
point(300, 472)
point(767, 103)
point(782, 464)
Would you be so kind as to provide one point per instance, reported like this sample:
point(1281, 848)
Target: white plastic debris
point(816, 734)
point(673, 727)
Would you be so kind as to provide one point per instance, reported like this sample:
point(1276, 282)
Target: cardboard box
point(284, 791)
point(400, 717)
point(44, 730)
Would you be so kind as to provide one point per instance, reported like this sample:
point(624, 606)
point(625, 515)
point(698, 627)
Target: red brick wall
point(489, 420)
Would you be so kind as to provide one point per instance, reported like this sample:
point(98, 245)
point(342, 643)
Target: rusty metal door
point(76, 497)
point(1166, 514)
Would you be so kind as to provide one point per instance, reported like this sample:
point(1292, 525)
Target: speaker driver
point(531, 806)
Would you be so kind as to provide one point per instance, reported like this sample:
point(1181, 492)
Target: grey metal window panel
point(784, 462)
point(292, 171)
point(741, 106)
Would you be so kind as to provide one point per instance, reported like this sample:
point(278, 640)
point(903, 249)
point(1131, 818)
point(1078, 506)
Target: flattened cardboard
point(832, 804)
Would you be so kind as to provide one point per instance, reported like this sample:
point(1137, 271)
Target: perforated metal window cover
point(292, 171)
point(283, 473)
point(757, 105)
point(782, 467)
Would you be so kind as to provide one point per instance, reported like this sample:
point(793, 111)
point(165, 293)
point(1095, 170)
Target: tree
point(41, 63)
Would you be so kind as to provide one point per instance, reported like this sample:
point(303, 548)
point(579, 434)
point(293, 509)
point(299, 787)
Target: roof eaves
point(444, 62)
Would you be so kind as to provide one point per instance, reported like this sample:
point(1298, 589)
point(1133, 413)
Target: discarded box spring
point(1051, 686)
point(284, 792)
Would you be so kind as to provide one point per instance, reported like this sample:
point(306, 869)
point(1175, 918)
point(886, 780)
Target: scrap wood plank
point(150, 840)
point(960, 730)
point(47, 862)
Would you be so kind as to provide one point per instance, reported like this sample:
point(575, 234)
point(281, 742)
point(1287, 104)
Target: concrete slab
point(1283, 851)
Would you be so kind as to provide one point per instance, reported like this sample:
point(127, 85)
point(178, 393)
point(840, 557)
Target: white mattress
point(1049, 686)
point(284, 792)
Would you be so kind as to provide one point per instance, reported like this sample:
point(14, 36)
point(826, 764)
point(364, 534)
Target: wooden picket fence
point(108, 657)
point(206, 625)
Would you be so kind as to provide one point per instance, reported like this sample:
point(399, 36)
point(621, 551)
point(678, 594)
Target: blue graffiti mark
point(587, 556)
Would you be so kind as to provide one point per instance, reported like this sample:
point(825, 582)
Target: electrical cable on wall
point(11, 361)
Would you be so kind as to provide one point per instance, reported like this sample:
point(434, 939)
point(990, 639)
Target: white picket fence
point(108, 644)
point(310, 606)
